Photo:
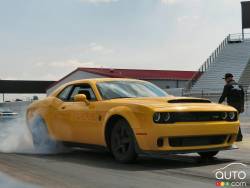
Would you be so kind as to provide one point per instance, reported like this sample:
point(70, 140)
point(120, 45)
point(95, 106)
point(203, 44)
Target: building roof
point(141, 74)
point(24, 86)
point(135, 73)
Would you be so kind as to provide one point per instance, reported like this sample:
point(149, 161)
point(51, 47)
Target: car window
point(64, 94)
point(129, 89)
point(83, 89)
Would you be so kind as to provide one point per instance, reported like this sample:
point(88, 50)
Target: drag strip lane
point(94, 169)
point(89, 168)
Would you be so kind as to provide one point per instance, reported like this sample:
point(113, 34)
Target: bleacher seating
point(233, 58)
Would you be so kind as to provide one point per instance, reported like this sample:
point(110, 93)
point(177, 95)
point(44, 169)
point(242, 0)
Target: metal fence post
point(246, 96)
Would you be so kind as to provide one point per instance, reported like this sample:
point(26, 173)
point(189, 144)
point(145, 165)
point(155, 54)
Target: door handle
point(63, 107)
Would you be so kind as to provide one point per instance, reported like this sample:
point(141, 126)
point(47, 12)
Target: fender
point(126, 113)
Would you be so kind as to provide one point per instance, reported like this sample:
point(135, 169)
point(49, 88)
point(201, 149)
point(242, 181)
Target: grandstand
point(232, 55)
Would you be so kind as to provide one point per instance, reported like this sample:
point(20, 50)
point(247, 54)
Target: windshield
point(129, 89)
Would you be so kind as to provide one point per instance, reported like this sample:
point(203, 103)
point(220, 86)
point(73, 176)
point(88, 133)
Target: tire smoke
point(15, 137)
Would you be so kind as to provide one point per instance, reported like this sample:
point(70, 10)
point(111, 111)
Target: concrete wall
point(174, 91)
point(164, 84)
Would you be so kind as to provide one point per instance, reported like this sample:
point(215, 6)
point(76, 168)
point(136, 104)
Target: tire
point(123, 143)
point(208, 155)
point(40, 135)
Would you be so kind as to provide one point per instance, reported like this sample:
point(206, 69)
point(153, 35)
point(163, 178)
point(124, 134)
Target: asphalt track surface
point(97, 169)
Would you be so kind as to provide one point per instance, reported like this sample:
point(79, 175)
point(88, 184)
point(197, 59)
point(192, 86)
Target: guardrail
point(214, 96)
point(207, 63)
point(209, 92)
point(238, 37)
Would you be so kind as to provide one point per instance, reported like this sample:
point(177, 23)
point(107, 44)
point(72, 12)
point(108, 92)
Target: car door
point(78, 120)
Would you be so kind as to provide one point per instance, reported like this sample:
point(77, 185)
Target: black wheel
point(123, 142)
point(209, 154)
point(40, 136)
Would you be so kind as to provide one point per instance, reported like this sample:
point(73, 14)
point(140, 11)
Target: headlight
point(157, 117)
point(161, 117)
point(223, 115)
point(166, 117)
point(232, 115)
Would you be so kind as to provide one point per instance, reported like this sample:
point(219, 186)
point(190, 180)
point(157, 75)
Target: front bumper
point(148, 138)
point(231, 147)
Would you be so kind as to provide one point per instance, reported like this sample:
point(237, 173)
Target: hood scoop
point(189, 101)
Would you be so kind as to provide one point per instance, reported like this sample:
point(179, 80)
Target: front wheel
point(123, 142)
point(208, 155)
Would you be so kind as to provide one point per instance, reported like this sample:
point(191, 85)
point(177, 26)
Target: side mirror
point(81, 98)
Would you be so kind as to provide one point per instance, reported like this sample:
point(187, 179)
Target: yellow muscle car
point(129, 117)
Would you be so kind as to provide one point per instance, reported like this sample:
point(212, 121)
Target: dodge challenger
point(129, 117)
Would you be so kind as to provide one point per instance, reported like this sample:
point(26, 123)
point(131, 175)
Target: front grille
point(196, 116)
point(196, 140)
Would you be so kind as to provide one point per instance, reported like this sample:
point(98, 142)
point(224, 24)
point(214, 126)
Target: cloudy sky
point(46, 39)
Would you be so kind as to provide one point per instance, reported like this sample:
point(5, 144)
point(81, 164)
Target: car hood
point(176, 104)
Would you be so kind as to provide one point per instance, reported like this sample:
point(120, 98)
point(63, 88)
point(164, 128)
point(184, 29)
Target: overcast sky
point(46, 39)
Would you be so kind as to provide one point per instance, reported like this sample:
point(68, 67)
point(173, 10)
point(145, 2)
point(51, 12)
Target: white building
point(163, 78)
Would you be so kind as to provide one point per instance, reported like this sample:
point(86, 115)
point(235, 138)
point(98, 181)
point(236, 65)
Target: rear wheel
point(40, 135)
point(123, 142)
point(209, 154)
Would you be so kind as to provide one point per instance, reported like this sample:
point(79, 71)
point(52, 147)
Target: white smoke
point(15, 137)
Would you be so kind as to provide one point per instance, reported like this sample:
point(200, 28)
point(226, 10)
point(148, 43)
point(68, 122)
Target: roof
point(141, 74)
point(24, 86)
point(135, 74)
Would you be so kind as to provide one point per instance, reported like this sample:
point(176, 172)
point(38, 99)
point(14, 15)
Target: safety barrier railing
point(210, 92)
point(214, 96)
point(238, 37)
